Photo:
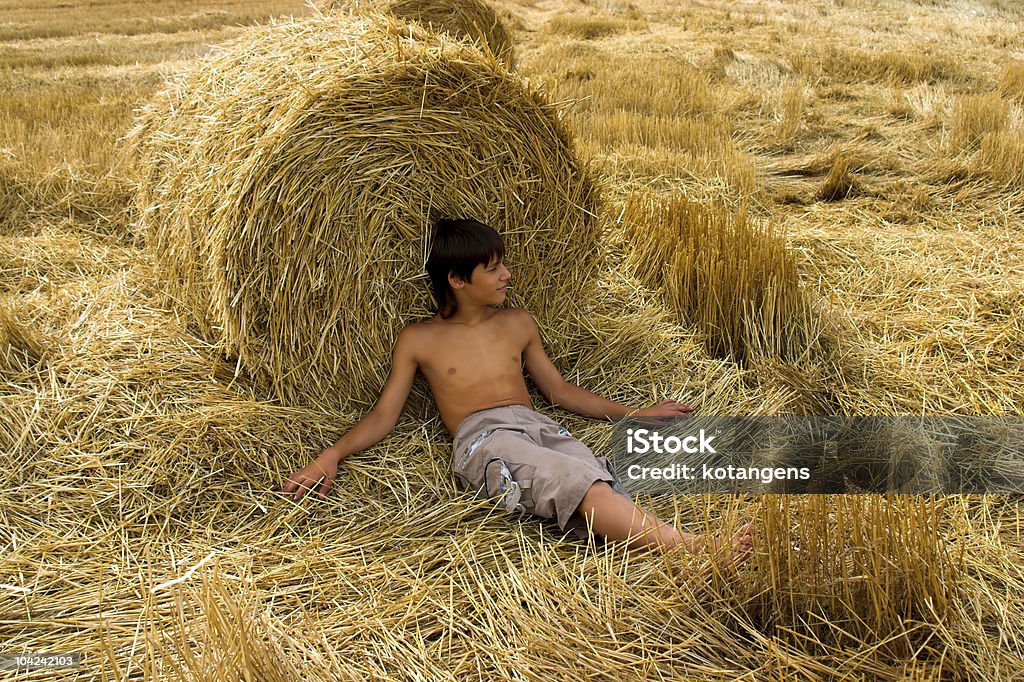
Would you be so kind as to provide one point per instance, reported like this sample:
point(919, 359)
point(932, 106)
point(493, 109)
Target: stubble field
point(882, 143)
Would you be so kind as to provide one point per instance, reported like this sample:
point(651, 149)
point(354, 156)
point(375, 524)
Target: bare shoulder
point(518, 317)
point(522, 323)
point(414, 329)
point(414, 337)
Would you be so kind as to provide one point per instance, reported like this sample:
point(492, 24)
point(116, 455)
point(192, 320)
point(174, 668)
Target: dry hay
point(895, 66)
point(924, 102)
point(792, 105)
point(292, 223)
point(142, 532)
point(138, 526)
point(474, 20)
point(840, 183)
point(593, 25)
point(1002, 157)
point(974, 117)
point(935, 339)
point(903, 592)
point(139, 462)
point(1011, 82)
point(22, 348)
point(155, 546)
point(651, 120)
point(62, 191)
point(628, 345)
point(732, 281)
point(471, 19)
point(983, 137)
point(484, 604)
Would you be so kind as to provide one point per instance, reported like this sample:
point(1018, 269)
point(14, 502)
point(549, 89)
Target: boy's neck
point(470, 314)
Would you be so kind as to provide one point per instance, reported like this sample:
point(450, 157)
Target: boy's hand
point(324, 468)
point(666, 408)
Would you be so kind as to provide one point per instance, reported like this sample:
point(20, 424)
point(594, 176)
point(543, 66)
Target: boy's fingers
point(675, 405)
point(304, 484)
point(293, 481)
point(328, 483)
point(307, 487)
point(294, 485)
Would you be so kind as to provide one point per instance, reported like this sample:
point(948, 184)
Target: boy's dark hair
point(458, 246)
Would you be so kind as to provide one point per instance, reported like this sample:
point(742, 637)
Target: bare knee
point(617, 518)
point(598, 493)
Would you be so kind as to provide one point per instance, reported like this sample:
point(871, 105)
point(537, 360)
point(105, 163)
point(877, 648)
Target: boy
point(472, 354)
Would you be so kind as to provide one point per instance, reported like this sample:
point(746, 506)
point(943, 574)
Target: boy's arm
point(571, 397)
point(368, 431)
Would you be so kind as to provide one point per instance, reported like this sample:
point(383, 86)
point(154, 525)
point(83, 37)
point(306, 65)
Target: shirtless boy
point(472, 354)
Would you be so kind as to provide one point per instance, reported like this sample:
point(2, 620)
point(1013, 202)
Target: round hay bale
point(292, 175)
point(474, 20)
point(470, 19)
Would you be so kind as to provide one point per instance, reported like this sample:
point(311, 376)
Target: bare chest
point(460, 357)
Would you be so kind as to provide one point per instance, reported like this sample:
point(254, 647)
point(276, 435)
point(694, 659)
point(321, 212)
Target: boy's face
point(487, 285)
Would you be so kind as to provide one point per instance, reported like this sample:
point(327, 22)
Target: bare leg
point(617, 518)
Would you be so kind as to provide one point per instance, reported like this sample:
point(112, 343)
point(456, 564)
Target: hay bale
point(472, 20)
point(291, 177)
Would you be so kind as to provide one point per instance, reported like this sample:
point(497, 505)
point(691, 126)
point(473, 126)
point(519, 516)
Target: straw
point(473, 20)
point(293, 223)
point(137, 455)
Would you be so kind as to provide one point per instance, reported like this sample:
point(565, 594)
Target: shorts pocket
point(466, 463)
point(511, 486)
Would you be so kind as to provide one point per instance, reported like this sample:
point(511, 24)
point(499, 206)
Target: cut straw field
point(212, 219)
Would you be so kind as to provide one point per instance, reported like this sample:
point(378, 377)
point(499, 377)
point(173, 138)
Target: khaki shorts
point(552, 470)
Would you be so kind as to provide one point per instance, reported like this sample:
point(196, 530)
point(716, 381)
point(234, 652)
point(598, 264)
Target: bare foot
point(728, 558)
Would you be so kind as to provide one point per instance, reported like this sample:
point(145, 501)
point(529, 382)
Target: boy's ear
point(454, 281)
